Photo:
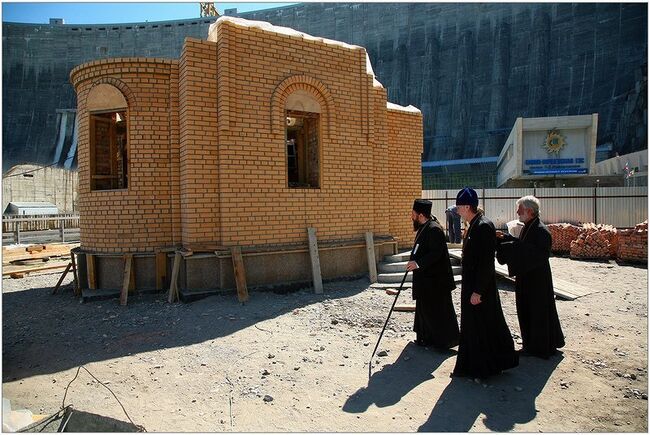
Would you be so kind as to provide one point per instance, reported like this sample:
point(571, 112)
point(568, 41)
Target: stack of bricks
point(590, 244)
point(633, 243)
point(562, 236)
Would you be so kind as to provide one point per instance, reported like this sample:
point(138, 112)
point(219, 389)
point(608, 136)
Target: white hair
point(529, 202)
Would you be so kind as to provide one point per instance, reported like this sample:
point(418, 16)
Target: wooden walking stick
point(385, 324)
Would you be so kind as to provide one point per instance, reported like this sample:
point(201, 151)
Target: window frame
point(92, 148)
point(302, 160)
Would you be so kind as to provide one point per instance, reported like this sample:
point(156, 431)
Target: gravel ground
point(298, 361)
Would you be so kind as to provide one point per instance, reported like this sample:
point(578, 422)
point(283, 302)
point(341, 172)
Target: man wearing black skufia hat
point(486, 346)
point(433, 280)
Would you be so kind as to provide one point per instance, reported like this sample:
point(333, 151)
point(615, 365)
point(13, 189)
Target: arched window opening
point(303, 140)
point(107, 109)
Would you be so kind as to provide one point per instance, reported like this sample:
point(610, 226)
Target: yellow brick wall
point(199, 139)
point(264, 68)
point(208, 153)
point(405, 162)
point(140, 217)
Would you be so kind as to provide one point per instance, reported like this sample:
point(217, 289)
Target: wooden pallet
point(562, 288)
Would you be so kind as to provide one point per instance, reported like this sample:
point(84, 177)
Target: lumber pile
point(18, 261)
point(15, 255)
point(633, 243)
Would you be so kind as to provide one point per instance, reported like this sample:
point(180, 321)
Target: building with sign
point(551, 152)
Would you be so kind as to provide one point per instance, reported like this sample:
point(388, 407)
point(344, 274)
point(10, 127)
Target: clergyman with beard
point(527, 258)
point(435, 322)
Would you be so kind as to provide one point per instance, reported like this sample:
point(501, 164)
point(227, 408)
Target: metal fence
point(40, 229)
point(622, 207)
point(38, 222)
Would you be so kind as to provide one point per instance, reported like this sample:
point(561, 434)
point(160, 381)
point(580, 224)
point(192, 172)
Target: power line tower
point(208, 10)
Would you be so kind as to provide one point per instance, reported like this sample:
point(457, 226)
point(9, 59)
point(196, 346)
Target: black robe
point(435, 318)
point(527, 260)
point(486, 346)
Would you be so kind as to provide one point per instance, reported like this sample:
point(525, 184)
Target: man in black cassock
point(527, 260)
point(486, 346)
point(433, 280)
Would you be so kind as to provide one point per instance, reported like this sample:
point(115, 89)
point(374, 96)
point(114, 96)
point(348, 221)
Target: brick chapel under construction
point(250, 138)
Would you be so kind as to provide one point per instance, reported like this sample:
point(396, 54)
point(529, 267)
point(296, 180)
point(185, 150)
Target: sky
point(105, 13)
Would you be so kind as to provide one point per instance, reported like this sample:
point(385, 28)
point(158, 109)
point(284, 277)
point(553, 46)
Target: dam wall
point(472, 68)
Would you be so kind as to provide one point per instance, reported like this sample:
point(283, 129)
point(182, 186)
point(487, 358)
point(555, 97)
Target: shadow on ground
point(414, 366)
point(44, 333)
point(506, 400)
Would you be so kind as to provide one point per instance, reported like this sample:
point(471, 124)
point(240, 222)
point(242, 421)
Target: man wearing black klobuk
point(433, 280)
point(486, 347)
point(527, 260)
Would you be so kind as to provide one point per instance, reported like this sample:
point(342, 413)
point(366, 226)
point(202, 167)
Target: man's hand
point(475, 299)
point(500, 234)
point(411, 265)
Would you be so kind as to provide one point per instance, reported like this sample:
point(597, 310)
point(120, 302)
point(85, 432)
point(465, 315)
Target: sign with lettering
point(555, 152)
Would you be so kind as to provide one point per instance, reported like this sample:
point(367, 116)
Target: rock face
point(471, 68)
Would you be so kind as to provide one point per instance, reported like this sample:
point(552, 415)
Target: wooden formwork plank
point(75, 275)
point(161, 269)
point(240, 273)
point(127, 278)
point(173, 285)
point(370, 253)
point(315, 260)
point(90, 270)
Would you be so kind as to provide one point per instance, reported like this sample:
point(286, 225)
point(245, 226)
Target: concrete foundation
point(207, 273)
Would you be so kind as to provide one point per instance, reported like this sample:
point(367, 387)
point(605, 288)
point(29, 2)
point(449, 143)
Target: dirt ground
point(298, 361)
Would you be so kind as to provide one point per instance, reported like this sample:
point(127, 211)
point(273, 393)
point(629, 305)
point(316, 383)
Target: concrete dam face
point(471, 68)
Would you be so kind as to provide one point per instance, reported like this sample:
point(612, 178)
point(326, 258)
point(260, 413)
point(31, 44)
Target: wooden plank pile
point(18, 261)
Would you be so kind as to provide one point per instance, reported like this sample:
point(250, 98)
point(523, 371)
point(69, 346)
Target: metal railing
point(40, 228)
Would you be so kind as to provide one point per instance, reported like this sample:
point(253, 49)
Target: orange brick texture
point(208, 155)
point(142, 217)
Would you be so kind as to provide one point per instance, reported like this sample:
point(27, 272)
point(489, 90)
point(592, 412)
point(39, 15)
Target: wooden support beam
point(127, 278)
point(240, 273)
point(315, 260)
point(370, 252)
point(90, 270)
point(65, 272)
point(161, 269)
point(173, 285)
point(75, 282)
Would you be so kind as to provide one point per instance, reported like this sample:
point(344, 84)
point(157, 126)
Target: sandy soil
point(298, 361)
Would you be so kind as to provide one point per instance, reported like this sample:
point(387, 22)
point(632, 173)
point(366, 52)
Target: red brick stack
point(633, 243)
point(591, 243)
point(563, 235)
